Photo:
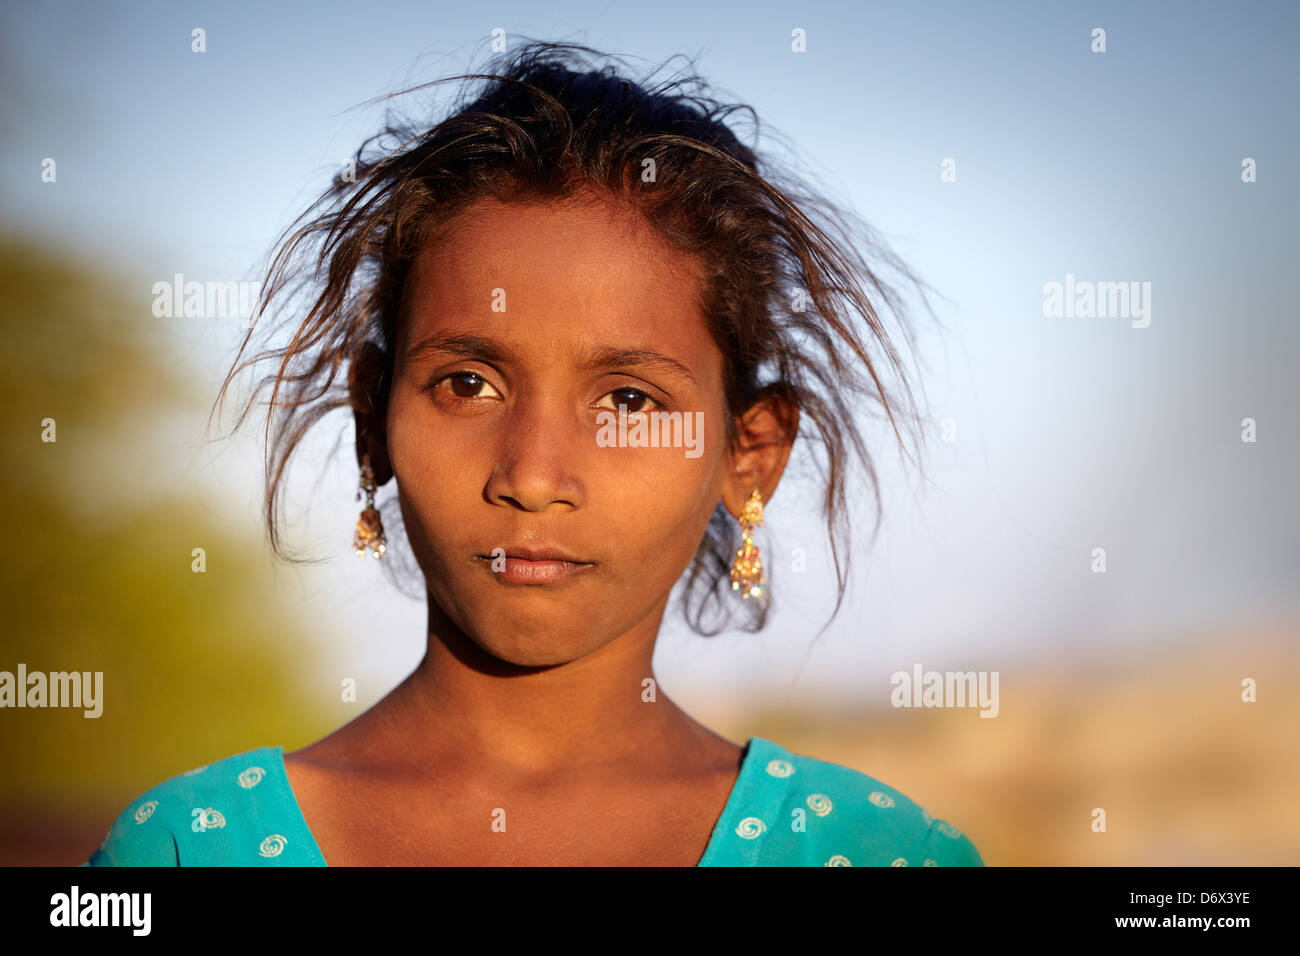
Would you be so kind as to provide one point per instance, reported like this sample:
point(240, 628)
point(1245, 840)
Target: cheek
point(436, 467)
point(657, 502)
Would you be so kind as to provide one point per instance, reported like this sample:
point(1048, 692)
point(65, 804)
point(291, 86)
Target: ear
point(765, 434)
point(367, 388)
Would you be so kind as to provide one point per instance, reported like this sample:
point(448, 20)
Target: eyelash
point(437, 386)
point(628, 388)
point(640, 393)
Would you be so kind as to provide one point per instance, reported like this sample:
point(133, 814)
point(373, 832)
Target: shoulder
point(880, 823)
point(808, 811)
point(237, 811)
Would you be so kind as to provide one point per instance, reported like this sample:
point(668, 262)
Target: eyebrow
point(469, 346)
point(636, 358)
point(485, 349)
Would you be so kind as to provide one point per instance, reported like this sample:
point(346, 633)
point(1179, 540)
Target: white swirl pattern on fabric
point(272, 846)
point(251, 777)
point(212, 819)
point(820, 804)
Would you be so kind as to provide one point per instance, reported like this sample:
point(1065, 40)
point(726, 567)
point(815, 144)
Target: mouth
point(534, 565)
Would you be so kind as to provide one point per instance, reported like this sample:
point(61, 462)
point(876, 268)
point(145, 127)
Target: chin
point(527, 644)
point(532, 629)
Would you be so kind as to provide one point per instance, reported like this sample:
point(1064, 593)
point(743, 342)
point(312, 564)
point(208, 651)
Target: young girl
point(582, 332)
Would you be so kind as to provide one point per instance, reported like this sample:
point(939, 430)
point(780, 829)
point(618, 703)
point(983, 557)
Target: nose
point(539, 453)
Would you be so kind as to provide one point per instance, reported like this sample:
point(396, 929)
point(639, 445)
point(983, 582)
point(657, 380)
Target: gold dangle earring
point(747, 569)
point(370, 529)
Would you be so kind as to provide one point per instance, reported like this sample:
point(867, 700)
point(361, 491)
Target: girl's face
point(522, 330)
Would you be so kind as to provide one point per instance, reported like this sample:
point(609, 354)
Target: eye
point(467, 385)
point(634, 399)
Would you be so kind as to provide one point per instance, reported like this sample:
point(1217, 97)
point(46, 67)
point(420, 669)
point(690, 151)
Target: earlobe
point(370, 444)
point(765, 434)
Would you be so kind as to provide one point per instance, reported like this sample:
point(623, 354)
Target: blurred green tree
point(98, 572)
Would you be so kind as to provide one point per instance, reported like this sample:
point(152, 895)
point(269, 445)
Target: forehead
point(591, 270)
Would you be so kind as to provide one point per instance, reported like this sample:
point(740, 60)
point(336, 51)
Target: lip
point(532, 565)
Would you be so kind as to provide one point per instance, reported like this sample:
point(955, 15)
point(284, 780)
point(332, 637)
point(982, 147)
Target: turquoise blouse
point(784, 810)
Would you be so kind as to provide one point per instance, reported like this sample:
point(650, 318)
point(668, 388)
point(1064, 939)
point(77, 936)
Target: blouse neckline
point(745, 792)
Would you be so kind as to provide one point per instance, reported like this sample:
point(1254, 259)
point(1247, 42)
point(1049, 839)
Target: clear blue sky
point(1072, 433)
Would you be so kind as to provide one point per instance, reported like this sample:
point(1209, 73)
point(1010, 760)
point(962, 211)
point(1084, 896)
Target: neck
point(597, 709)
